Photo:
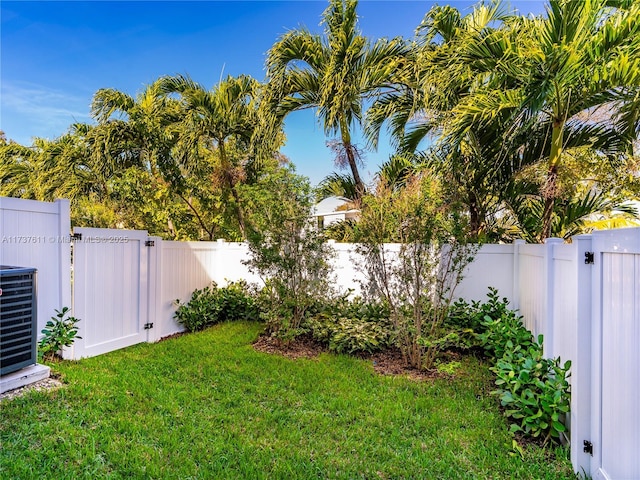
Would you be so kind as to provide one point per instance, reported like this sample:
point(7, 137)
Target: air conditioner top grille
point(9, 270)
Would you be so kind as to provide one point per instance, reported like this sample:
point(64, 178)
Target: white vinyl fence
point(36, 235)
point(583, 297)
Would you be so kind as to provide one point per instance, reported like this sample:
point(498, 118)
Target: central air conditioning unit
point(18, 319)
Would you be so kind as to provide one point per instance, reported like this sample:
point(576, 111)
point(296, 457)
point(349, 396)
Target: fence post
point(550, 289)
point(515, 300)
point(154, 284)
point(64, 252)
point(581, 368)
point(63, 239)
point(220, 265)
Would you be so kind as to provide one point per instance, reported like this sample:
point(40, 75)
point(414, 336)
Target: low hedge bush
point(533, 390)
point(351, 326)
point(212, 305)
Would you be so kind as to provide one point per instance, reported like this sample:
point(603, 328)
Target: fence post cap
point(553, 240)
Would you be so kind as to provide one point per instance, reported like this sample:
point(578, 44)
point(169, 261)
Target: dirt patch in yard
point(390, 362)
point(172, 336)
point(301, 347)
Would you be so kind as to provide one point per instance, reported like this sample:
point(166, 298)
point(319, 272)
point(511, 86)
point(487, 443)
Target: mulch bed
point(389, 362)
point(173, 335)
point(301, 347)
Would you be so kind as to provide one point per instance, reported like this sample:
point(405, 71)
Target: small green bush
point(463, 315)
point(351, 326)
point(212, 305)
point(504, 334)
point(237, 302)
point(293, 258)
point(533, 390)
point(59, 332)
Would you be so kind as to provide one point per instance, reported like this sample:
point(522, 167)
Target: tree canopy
point(530, 124)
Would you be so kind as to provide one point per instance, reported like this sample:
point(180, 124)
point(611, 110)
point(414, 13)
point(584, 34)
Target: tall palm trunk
point(475, 216)
point(351, 158)
point(228, 179)
point(551, 184)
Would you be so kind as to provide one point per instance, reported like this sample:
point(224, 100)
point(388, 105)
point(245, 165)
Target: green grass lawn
point(208, 406)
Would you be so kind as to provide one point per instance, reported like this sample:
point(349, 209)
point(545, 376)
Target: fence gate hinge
point(76, 236)
point(148, 326)
point(589, 258)
point(588, 447)
point(149, 243)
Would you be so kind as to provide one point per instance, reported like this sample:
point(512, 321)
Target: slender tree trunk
point(360, 190)
point(551, 184)
point(198, 217)
point(475, 217)
point(351, 158)
point(226, 167)
point(239, 211)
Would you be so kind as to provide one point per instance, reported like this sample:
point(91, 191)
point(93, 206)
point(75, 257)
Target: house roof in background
point(330, 205)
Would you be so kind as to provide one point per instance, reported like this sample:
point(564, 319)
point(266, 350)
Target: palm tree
point(20, 169)
point(50, 169)
point(335, 73)
point(423, 105)
point(222, 122)
point(581, 213)
point(337, 185)
point(138, 125)
point(503, 92)
point(552, 75)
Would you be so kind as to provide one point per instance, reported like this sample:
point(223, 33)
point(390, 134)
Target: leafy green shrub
point(59, 332)
point(290, 255)
point(200, 312)
point(418, 280)
point(352, 326)
point(472, 316)
point(465, 327)
point(504, 334)
point(283, 312)
point(237, 302)
point(533, 390)
point(212, 305)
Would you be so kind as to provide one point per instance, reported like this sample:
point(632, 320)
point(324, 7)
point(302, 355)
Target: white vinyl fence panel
point(616, 359)
point(36, 234)
point(186, 266)
point(231, 267)
point(532, 299)
point(565, 308)
point(493, 266)
point(110, 290)
point(621, 365)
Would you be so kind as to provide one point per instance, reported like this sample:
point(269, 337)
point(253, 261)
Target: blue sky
point(55, 55)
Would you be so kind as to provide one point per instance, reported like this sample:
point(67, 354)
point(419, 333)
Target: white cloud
point(31, 110)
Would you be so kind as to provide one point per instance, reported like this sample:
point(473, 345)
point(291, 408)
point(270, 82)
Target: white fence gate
point(110, 289)
point(616, 360)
